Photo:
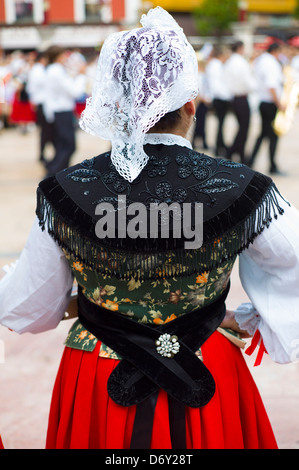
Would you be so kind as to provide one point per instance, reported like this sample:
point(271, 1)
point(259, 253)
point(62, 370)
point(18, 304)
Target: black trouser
point(221, 108)
point(64, 141)
point(200, 125)
point(268, 112)
point(242, 111)
point(46, 130)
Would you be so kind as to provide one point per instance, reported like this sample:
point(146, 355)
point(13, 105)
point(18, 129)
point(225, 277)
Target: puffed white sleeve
point(35, 293)
point(269, 273)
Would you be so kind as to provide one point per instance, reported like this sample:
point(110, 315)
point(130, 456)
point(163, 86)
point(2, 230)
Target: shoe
point(277, 172)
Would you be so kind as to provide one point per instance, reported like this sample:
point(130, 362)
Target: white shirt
point(269, 74)
point(36, 83)
point(216, 80)
point(295, 67)
point(239, 76)
point(203, 86)
point(62, 91)
point(34, 295)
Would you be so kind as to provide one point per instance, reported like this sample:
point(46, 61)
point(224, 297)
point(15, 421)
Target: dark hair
point(237, 45)
point(53, 52)
point(273, 47)
point(40, 56)
point(167, 122)
point(217, 51)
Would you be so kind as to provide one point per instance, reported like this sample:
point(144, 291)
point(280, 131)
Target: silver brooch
point(167, 345)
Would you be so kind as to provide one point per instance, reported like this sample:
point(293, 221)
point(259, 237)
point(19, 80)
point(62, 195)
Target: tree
point(215, 16)
point(296, 10)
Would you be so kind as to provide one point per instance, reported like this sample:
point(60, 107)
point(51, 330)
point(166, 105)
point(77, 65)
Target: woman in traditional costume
point(148, 364)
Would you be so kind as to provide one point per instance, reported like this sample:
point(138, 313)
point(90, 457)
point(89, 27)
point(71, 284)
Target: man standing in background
point(239, 77)
point(36, 90)
point(220, 94)
point(270, 79)
point(62, 90)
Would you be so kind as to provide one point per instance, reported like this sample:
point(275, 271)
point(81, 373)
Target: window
point(24, 11)
point(93, 10)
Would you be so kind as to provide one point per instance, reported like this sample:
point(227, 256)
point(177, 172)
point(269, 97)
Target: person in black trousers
point(241, 109)
point(220, 94)
point(268, 112)
point(36, 90)
point(62, 90)
point(270, 74)
point(239, 78)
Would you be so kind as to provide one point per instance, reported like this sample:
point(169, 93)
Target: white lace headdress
point(142, 74)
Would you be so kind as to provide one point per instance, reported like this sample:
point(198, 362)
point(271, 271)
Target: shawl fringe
point(225, 235)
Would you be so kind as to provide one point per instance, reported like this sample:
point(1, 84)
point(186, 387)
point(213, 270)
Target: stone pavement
point(28, 363)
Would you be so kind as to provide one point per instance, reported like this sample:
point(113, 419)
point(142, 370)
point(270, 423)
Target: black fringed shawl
point(238, 203)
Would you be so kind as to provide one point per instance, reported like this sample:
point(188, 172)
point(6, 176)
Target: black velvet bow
point(142, 369)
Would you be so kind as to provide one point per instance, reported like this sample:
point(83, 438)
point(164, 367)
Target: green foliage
point(296, 10)
point(215, 16)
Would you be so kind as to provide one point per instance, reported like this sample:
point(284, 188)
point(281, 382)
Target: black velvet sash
point(142, 370)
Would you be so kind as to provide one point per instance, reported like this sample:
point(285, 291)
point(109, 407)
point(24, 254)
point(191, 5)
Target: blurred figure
point(36, 90)
point(295, 64)
point(73, 64)
point(22, 111)
point(269, 74)
point(8, 89)
point(220, 94)
point(238, 76)
point(62, 90)
point(202, 107)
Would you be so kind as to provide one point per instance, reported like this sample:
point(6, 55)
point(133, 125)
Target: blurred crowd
point(50, 89)
point(47, 90)
point(18, 69)
point(232, 82)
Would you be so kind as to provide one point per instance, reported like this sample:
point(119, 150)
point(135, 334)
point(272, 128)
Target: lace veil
point(142, 74)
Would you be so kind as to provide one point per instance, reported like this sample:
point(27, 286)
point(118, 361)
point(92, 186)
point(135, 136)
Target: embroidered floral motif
point(78, 266)
point(202, 278)
point(153, 302)
point(157, 166)
point(230, 164)
point(200, 167)
point(84, 175)
point(164, 192)
point(203, 168)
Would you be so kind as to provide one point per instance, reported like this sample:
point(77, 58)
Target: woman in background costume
point(145, 364)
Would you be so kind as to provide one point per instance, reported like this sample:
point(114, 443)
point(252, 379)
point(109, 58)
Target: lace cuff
point(247, 317)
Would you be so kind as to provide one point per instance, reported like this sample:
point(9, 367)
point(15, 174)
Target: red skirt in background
point(22, 112)
point(1, 444)
point(83, 416)
point(79, 108)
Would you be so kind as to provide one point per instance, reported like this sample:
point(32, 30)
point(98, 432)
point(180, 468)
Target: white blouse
point(269, 75)
point(35, 292)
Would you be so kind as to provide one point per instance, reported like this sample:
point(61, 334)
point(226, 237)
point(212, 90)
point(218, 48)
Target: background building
point(34, 24)
point(263, 15)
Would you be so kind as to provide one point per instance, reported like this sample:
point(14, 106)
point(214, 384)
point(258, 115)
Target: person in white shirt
point(219, 93)
point(202, 107)
point(295, 67)
point(62, 90)
point(239, 77)
point(36, 90)
point(270, 78)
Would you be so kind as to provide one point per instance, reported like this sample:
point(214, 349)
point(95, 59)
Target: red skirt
point(82, 415)
point(22, 112)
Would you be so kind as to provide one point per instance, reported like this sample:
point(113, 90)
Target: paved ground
point(28, 363)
